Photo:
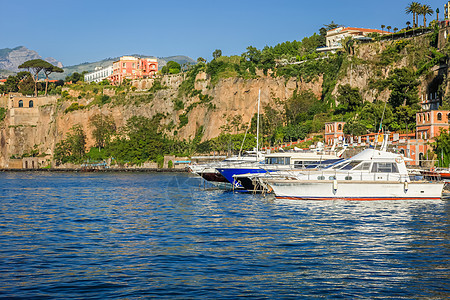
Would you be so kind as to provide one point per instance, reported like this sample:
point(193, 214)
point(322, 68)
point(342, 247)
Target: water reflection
point(163, 235)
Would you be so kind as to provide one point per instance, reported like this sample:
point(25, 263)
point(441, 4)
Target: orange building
point(430, 123)
point(334, 132)
point(130, 67)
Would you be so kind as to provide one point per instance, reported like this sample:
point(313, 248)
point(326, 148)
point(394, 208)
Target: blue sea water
point(156, 235)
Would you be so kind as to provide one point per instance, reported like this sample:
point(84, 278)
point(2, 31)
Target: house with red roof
point(336, 35)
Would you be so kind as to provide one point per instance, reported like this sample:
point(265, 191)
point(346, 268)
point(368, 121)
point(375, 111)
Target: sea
point(125, 235)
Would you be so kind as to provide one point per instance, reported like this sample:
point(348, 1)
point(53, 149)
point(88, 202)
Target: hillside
point(211, 106)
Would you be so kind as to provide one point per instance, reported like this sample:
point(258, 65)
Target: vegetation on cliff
point(388, 72)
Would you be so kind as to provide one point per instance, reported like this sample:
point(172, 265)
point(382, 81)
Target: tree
point(103, 128)
point(425, 10)
point(437, 14)
point(300, 106)
point(347, 43)
point(75, 77)
point(441, 147)
point(47, 71)
point(403, 84)
point(35, 66)
point(172, 67)
point(201, 60)
point(389, 28)
point(395, 29)
point(252, 55)
point(217, 53)
point(382, 27)
point(349, 99)
point(414, 9)
point(331, 26)
point(26, 83)
point(71, 149)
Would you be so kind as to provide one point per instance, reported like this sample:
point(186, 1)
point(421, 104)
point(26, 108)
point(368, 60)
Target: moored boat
point(369, 175)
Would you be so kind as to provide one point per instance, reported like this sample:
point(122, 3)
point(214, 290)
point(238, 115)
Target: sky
point(75, 32)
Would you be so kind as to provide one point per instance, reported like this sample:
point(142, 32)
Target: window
point(278, 160)
point(30, 104)
point(350, 165)
point(384, 168)
point(439, 117)
point(124, 65)
point(363, 167)
point(339, 127)
point(20, 103)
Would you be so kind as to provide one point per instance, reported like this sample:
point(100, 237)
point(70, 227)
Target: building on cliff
point(130, 67)
point(336, 35)
point(99, 74)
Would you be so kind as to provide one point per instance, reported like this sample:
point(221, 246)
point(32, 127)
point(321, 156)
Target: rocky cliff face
point(230, 97)
point(227, 98)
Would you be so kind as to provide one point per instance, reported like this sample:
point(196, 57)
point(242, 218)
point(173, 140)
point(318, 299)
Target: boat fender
point(335, 186)
point(405, 186)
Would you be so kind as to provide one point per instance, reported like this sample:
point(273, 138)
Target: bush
point(74, 106)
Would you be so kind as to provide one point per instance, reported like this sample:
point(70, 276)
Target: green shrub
point(74, 106)
point(2, 113)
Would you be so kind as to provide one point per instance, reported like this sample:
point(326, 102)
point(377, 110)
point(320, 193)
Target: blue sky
point(80, 31)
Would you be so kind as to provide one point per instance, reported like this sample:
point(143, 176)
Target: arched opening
point(421, 159)
point(30, 104)
point(339, 127)
point(439, 117)
point(20, 103)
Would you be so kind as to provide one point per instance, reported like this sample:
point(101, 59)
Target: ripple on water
point(134, 235)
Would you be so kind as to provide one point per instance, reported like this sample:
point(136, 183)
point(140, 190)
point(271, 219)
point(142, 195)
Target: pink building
point(129, 67)
point(334, 132)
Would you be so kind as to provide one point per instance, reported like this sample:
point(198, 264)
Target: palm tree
point(408, 23)
point(395, 29)
point(382, 27)
point(389, 28)
point(413, 9)
point(437, 14)
point(425, 10)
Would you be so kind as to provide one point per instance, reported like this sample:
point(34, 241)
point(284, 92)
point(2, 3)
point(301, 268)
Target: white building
point(336, 35)
point(99, 74)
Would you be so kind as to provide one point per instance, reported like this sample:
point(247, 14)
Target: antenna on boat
point(381, 126)
point(245, 135)
point(257, 126)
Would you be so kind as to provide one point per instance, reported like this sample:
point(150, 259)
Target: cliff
point(211, 107)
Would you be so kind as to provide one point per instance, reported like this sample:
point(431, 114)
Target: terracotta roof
point(359, 29)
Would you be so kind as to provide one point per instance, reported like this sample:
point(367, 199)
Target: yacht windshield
point(350, 165)
point(385, 167)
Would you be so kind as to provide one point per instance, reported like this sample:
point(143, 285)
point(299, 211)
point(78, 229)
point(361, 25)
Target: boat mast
point(257, 127)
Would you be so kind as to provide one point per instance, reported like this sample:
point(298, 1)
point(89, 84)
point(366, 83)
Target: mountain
point(11, 59)
point(90, 66)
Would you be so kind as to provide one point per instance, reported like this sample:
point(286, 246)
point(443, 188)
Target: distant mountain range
point(10, 59)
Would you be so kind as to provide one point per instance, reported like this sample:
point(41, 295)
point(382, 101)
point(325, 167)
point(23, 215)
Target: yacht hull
point(333, 190)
